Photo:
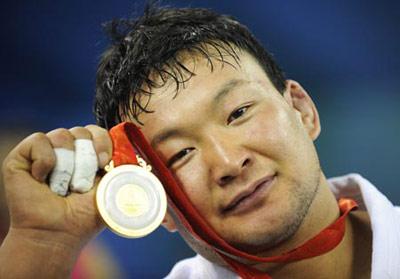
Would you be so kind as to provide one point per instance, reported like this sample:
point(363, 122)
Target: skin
point(223, 148)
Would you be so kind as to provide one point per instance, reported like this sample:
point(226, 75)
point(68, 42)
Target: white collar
point(385, 222)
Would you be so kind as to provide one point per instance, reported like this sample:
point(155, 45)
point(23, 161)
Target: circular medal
point(131, 201)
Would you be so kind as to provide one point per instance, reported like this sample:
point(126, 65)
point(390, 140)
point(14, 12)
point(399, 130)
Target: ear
point(168, 223)
point(300, 101)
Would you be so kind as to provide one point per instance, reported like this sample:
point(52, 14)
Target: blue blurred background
point(345, 53)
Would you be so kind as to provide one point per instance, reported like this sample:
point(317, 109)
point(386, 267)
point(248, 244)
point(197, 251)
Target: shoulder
point(184, 269)
point(198, 267)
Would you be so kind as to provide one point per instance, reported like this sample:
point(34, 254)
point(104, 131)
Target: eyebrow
point(166, 134)
point(226, 89)
point(221, 94)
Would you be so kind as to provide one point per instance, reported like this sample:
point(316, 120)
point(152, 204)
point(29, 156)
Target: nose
point(227, 159)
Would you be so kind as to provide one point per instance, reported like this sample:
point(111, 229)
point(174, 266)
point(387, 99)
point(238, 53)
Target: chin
point(272, 231)
point(258, 239)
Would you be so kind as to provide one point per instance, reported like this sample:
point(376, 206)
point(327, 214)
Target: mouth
point(250, 198)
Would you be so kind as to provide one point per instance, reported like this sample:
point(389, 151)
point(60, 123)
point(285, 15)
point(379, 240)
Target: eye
point(179, 156)
point(237, 113)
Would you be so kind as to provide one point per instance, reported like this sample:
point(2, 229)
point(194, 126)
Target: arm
point(47, 231)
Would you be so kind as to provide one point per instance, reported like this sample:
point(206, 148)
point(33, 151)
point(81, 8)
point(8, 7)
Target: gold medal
point(131, 200)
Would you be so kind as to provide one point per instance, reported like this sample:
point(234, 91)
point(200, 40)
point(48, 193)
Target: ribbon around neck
point(320, 244)
point(128, 140)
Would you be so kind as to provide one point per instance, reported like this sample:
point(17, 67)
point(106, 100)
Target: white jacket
point(385, 224)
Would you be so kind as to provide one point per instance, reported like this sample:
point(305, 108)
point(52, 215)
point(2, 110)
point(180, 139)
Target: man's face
point(239, 149)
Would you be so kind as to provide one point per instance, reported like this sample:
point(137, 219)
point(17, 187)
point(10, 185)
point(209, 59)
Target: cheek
point(194, 182)
point(277, 134)
point(271, 132)
point(294, 148)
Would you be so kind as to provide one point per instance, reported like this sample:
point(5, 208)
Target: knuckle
point(80, 132)
point(9, 167)
point(77, 128)
point(101, 137)
point(96, 129)
point(92, 126)
point(61, 133)
point(60, 137)
point(38, 136)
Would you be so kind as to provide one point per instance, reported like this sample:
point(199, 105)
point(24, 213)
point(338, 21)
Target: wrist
point(46, 239)
point(27, 252)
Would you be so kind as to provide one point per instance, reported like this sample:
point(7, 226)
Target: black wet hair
point(145, 53)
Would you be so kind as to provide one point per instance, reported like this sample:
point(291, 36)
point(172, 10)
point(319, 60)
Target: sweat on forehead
point(176, 74)
point(207, 90)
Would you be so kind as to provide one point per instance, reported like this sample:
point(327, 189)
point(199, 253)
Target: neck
point(338, 263)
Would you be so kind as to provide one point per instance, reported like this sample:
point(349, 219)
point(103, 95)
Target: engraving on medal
point(132, 200)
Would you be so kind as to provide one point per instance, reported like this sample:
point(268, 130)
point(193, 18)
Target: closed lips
point(248, 192)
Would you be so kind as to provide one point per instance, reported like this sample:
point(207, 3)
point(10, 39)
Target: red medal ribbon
point(128, 139)
point(123, 151)
point(322, 243)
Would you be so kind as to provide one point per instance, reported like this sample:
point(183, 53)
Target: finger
point(34, 155)
point(102, 144)
point(62, 142)
point(62, 172)
point(85, 166)
point(85, 161)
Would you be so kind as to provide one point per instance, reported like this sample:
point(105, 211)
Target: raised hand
point(40, 218)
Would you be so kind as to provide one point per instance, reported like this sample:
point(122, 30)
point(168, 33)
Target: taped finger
point(85, 166)
point(62, 172)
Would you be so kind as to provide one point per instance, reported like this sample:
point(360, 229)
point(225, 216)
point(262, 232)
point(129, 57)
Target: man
point(237, 136)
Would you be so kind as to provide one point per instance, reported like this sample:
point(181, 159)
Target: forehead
point(172, 107)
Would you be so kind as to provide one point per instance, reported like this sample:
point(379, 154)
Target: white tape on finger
point(85, 166)
point(62, 172)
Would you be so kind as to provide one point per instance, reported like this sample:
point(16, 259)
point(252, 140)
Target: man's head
point(236, 135)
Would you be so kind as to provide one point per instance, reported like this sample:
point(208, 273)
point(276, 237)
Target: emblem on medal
point(131, 200)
